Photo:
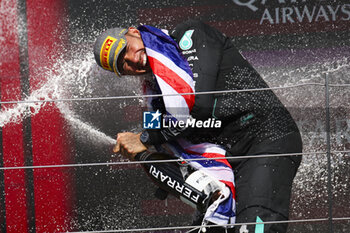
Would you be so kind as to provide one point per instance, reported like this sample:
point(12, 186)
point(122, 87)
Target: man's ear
point(133, 31)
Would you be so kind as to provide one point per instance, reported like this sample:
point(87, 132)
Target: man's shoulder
point(192, 24)
point(198, 30)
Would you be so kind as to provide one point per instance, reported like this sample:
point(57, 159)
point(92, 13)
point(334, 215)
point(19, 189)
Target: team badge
point(186, 41)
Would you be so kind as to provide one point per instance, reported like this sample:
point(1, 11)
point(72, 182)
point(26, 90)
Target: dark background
point(54, 42)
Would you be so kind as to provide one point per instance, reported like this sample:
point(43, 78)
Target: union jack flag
point(170, 69)
point(174, 77)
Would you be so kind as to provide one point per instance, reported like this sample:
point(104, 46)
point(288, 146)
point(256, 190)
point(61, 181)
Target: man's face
point(133, 60)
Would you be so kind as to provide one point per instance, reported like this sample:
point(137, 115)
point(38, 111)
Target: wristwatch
point(144, 137)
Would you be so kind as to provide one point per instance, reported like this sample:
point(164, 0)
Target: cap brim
point(118, 58)
point(118, 51)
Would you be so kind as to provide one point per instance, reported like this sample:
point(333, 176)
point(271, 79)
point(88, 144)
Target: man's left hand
point(129, 144)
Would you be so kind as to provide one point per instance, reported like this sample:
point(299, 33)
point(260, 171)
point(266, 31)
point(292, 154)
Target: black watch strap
point(144, 138)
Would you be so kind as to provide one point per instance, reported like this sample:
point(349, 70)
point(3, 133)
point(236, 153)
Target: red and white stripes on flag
point(223, 211)
point(171, 71)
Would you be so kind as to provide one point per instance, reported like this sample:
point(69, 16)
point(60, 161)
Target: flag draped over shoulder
point(174, 77)
point(171, 70)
